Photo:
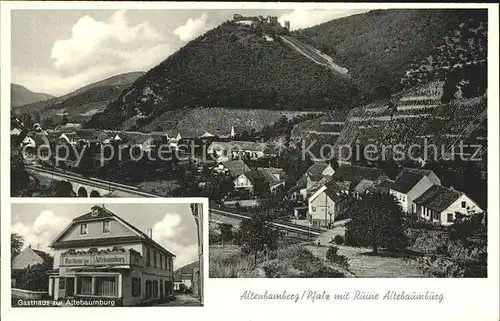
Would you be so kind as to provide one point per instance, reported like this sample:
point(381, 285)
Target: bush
point(332, 256)
point(338, 239)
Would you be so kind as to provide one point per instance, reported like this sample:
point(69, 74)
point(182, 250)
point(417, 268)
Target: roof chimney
point(150, 233)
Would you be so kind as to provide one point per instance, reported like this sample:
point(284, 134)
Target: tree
point(58, 189)
point(377, 222)
point(34, 277)
point(16, 243)
point(258, 235)
point(20, 181)
point(226, 232)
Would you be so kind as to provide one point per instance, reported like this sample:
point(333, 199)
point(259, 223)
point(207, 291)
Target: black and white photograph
point(106, 255)
point(168, 154)
point(331, 143)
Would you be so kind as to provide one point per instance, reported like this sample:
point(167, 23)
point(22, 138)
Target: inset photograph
point(127, 254)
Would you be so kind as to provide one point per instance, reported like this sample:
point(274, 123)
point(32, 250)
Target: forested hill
point(379, 46)
point(235, 67)
point(20, 95)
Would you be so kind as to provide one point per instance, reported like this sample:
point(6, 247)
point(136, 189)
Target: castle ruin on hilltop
point(257, 21)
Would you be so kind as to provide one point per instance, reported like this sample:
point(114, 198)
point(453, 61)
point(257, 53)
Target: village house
point(327, 203)
point(186, 277)
point(234, 168)
point(354, 174)
point(29, 257)
point(225, 151)
point(318, 172)
point(274, 177)
point(15, 132)
point(187, 137)
point(252, 181)
point(206, 135)
point(410, 184)
point(363, 187)
point(70, 138)
point(69, 127)
point(35, 140)
point(440, 205)
point(26, 258)
point(99, 255)
point(88, 136)
point(108, 138)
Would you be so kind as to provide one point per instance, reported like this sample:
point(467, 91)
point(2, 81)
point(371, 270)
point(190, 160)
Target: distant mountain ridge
point(20, 95)
point(82, 103)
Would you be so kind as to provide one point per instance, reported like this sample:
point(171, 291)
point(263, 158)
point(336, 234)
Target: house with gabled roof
point(29, 257)
point(327, 203)
point(274, 177)
point(235, 167)
point(355, 174)
point(100, 255)
point(15, 132)
point(440, 205)
point(316, 175)
point(253, 181)
point(410, 184)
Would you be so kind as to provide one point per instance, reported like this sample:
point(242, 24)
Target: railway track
point(281, 225)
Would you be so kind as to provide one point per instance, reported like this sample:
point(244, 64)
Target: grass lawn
point(291, 261)
point(158, 187)
point(365, 265)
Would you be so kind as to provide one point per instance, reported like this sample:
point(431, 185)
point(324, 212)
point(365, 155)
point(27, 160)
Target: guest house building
point(101, 256)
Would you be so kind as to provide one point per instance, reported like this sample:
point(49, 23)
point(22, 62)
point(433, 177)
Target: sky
point(173, 224)
point(58, 51)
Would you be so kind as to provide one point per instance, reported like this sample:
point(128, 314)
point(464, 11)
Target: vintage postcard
point(97, 254)
point(331, 142)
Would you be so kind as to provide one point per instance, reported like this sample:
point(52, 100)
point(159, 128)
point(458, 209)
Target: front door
point(70, 287)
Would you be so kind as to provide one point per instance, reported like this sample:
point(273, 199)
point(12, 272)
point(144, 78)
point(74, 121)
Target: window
point(155, 289)
point(105, 227)
point(148, 257)
point(84, 285)
point(463, 204)
point(106, 286)
point(83, 229)
point(168, 288)
point(136, 286)
point(449, 217)
point(161, 262)
point(154, 258)
point(149, 289)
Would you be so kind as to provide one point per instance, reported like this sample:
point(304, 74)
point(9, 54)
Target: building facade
point(410, 184)
point(28, 257)
point(99, 255)
point(326, 204)
point(440, 205)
